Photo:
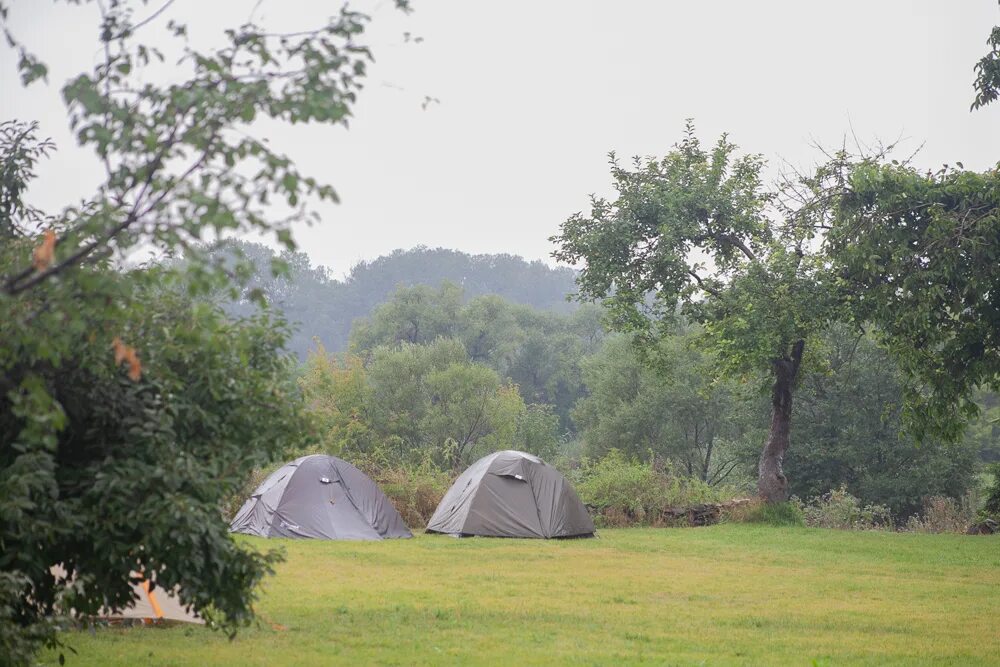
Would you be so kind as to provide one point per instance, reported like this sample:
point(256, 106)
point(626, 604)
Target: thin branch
point(12, 287)
point(702, 285)
point(131, 29)
point(79, 255)
point(854, 348)
point(719, 476)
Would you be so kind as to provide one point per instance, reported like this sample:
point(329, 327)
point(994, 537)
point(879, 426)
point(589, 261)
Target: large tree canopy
point(421, 403)
point(918, 256)
point(863, 239)
point(538, 351)
point(697, 230)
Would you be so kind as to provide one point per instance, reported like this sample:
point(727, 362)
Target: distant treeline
point(320, 306)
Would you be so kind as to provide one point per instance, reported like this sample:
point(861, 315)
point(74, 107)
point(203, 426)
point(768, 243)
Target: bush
point(623, 492)
point(943, 515)
point(839, 509)
point(415, 491)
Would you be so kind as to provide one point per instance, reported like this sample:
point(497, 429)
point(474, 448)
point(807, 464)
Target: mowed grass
point(731, 594)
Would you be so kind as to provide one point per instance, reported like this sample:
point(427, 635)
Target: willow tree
point(697, 232)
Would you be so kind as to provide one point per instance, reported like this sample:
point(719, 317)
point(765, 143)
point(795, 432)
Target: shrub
point(622, 492)
point(839, 509)
point(627, 492)
point(943, 515)
point(415, 491)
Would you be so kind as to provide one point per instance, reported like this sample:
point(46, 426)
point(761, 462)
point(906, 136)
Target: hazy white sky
point(534, 94)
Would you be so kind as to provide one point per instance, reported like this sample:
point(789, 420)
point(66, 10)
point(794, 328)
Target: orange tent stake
point(152, 599)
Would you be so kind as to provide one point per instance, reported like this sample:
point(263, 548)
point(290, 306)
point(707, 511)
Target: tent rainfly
point(151, 604)
point(511, 494)
point(156, 604)
point(320, 497)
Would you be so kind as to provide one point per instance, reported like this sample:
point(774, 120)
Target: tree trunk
point(772, 485)
point(707, 467)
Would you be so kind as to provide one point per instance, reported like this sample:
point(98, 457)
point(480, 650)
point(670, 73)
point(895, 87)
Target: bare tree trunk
point(772, 485)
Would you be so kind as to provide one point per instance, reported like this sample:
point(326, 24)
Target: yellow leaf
point(134, 367)
point(45, 252)
point(127, 354)
point(119, 348)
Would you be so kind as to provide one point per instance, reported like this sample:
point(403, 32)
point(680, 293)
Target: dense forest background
point(321, 306)
point(435, 357)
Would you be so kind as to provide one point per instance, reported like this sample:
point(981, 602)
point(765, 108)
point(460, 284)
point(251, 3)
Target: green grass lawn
point(732, 594)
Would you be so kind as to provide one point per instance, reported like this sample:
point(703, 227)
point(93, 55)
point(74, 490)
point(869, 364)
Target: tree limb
point(702, 285)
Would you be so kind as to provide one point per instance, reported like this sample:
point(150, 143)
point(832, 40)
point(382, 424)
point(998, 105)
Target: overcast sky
point(534, 94)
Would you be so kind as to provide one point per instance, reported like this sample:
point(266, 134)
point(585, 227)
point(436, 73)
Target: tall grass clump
point(943, 515)
point(770, 514)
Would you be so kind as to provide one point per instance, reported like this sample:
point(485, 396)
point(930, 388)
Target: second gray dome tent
point(511, 494)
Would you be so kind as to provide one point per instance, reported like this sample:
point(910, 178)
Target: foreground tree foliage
point(128, 410)
point(110, 470)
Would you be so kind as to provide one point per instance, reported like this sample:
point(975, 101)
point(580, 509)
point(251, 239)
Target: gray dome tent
point(511, 494)
point(321, 497)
